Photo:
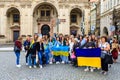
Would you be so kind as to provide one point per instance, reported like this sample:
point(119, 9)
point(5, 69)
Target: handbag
point(102, 55)
point(108, 59)
point(73, 56)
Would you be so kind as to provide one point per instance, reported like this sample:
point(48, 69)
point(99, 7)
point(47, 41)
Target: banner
point(89, 57)
point(61, 50)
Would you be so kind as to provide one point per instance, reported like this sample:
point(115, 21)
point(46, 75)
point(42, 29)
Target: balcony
point(44, 19)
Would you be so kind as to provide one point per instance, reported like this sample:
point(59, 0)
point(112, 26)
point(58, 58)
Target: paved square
point(8, 71)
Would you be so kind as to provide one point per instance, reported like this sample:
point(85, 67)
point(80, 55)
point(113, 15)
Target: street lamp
point(58, 22)
point(82, 23)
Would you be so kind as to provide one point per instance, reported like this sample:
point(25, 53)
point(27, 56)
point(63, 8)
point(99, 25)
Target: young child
point(73, 58)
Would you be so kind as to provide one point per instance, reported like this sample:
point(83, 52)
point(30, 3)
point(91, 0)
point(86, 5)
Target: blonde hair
point(20, 38)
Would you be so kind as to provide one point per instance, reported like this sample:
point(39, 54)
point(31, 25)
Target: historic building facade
point(26, 17)
point(109, 17)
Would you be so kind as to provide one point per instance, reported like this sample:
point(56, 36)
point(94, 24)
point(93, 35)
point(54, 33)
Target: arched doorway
point(45, 30)
point(44, 13)
point(75, 20)
point(105, 31)
point(73, 30)
point(13, 23)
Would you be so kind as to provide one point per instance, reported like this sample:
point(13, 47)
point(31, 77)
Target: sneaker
point(69, 62)
point(63, 62)
point(41, 66)
point(105, 73)
point(50, 63)
point(87, 69)
point(34, 66)
point(91, 70)
point(30, 67)
point(57, 62)
point(98, 68)
point(109, 66)
point(18, 66)
point(101, 72)
point(26, 64)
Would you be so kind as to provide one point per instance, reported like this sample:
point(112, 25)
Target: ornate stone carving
point(76, 6)
point(23, 6)
point(87, 6)
point(61, 6)
point(12, 5)
point(67, 6)
point(29, 6)
point(73, 1)
point(25, 3)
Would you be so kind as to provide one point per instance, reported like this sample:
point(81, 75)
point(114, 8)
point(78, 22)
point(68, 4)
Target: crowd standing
point(39, 52)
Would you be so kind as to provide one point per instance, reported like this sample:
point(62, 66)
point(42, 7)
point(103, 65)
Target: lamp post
point(58, 22)
point(82, 23)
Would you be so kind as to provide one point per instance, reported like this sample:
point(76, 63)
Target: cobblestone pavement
point(8, 71)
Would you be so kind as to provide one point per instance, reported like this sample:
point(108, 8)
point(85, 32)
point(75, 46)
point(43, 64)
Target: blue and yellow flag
point(89, 57)
point(61, 50)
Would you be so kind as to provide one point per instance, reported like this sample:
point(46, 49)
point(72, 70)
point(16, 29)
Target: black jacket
point(38, 47)
point(77, 45)
point(32, 49)
point(90, 44)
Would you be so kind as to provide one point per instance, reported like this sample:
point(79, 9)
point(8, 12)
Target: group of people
point(39, 49)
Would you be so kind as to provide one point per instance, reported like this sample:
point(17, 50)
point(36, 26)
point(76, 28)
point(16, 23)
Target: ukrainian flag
point(61, 50)
point(89, 57)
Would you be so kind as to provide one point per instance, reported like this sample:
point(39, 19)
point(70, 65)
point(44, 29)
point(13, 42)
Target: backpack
point(16, 48)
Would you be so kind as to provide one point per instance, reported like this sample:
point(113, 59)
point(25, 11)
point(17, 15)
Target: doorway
point(45, 29)
point(15, 35)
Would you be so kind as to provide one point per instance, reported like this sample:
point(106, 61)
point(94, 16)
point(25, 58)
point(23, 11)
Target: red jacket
point(18, 44)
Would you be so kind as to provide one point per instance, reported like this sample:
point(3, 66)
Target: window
point(45, 12)
point(73, 18)
point(42, 13)
point(16, 17)
point(48, 13)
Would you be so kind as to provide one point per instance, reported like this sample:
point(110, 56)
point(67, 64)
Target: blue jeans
point(47, 57)
point(40, 57)
point(17, 57)
point(64, 58)
point(57, 58)
point(32, 61)
point(50, 56)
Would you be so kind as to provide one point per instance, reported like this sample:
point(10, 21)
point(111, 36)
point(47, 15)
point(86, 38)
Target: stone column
point(64, 26)
point(26, 27)
point(3, 22)
point(22, 25)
